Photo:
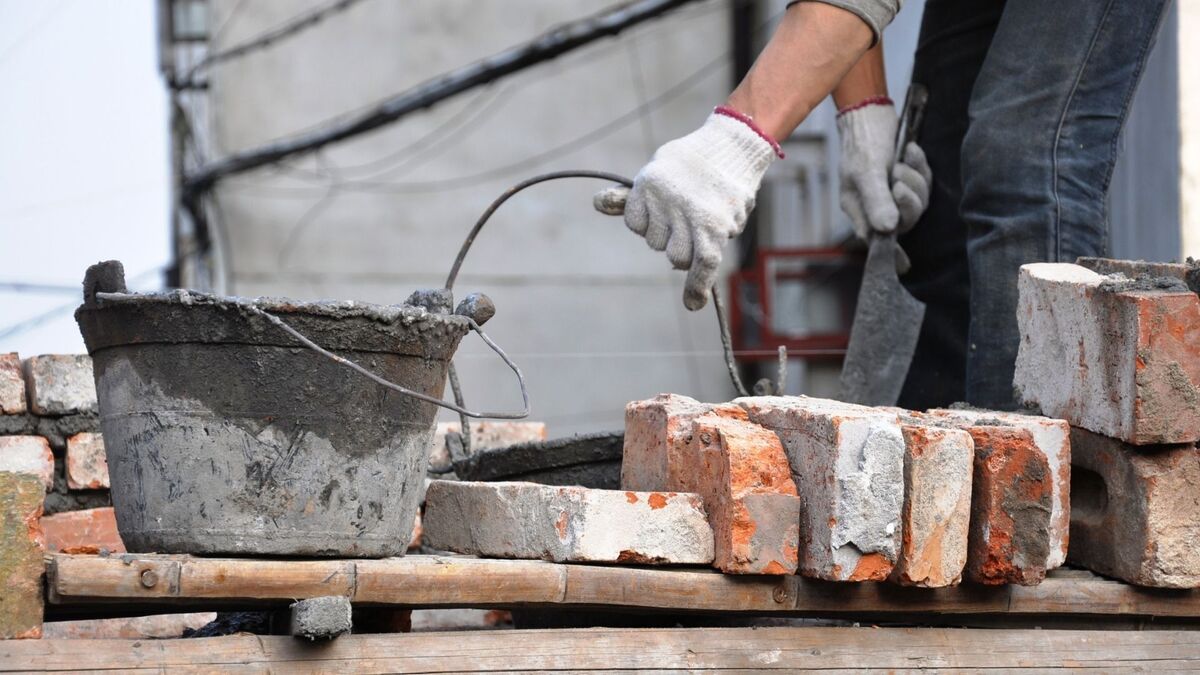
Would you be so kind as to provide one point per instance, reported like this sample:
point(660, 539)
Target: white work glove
point(694, 196)
point(878, 193)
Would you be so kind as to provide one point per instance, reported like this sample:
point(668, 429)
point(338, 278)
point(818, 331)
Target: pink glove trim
point(745, 119)
point(873, 100)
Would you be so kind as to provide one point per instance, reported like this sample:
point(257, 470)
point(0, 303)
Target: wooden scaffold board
point(789, 649)
point(454, 581)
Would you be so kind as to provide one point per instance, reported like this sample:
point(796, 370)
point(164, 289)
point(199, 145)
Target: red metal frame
point(761, 277)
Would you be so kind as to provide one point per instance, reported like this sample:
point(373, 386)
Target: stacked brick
point(1113, 347)
point(53, 478)
point(919, 499)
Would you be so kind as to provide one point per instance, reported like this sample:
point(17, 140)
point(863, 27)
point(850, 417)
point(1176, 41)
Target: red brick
point(28, 454)
point(87, 465)
point(742, 473)
point(417, 533)
point(847, 462)
point(87, 531)
point(935, 520)
point(1109, 358)
point(12, 385)
point(656, 435)
point(21, 565)
point(1053, 438)
point(1009, 540)
point(1136, 512)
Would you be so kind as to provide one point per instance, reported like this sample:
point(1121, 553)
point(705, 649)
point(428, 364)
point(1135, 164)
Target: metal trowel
point(887, 318)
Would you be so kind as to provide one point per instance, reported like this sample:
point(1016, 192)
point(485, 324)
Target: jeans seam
point(1062, 120)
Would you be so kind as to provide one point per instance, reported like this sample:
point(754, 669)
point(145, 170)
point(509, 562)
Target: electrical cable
point(287, 29)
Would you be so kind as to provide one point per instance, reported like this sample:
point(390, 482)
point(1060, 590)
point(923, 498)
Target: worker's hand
point(878, 193)
point(695, 195)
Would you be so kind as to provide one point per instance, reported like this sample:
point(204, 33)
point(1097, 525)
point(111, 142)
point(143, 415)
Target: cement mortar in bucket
point(226, 434)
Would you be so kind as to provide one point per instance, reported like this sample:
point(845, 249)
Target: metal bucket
point(226, 434)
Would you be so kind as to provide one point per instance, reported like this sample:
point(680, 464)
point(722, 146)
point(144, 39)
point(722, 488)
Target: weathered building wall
point(592, 316)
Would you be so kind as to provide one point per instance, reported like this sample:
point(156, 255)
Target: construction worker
point(1026, 102)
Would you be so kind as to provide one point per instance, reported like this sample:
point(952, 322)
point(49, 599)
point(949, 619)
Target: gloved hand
point(878, 193)
point(695, 195)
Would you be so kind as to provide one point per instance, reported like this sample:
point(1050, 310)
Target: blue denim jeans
point(1026, 103)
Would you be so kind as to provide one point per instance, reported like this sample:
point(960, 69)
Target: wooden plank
point(459, 581)
point(837, 649)
point(431, 581)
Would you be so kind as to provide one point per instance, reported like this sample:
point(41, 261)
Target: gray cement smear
point(224, 435)
point(1118, 283)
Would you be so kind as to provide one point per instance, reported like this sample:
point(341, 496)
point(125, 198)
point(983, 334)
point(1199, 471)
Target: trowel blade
point(887, 322)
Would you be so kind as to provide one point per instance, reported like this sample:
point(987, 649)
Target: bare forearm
point(809, 54)
point(865, 80)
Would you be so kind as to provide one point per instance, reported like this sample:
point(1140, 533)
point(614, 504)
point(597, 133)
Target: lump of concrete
point(60, 384)
point(566, 524)
point(478, 307)
point(322, 618)
point(935, 520)
point(847, 462)
point(1052, 438)
point(1118, 360)
point(1134, 514)
point(12, 385)
point(436, 300)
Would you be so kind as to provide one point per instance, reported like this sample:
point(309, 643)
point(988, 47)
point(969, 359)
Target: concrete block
point(28, 454)
point(741, 472)
point(21, 565)
point(12, 385)
point(87, 465)
point(86, 531)
point(321, 618)
point(657, 431)
point(1053, 438)
point(935, 520)
point(566, 524)
point(60, 384)
point(847, 462)
point(1136, 510)
point(1117, 357)
point(1012, 499)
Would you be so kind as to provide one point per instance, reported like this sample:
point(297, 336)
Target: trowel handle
point(911, 116)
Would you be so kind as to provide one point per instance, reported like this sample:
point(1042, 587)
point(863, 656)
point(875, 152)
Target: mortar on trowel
point(234, 426)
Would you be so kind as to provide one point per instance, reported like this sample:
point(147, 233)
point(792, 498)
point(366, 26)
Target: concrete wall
point(592, 316)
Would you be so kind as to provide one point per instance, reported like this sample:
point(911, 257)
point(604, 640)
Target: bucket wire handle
point(404, 390)
point(377, 379)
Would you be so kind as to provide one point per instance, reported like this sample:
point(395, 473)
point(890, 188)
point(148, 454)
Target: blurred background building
point(580, 299)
